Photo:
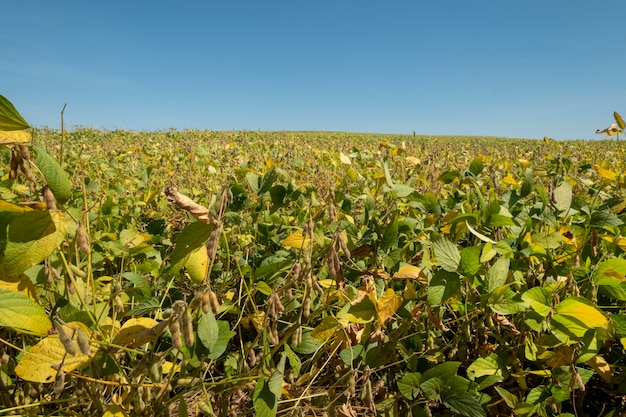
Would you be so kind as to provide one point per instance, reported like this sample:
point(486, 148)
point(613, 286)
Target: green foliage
point(341, 274)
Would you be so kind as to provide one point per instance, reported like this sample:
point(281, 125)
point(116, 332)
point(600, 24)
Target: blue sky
point(512, 68)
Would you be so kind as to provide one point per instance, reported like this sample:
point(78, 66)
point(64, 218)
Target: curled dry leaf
point(436, 320)
point(505, 322)
point(198, 211)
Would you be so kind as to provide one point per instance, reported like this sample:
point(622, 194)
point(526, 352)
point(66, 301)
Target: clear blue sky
point(513, 68)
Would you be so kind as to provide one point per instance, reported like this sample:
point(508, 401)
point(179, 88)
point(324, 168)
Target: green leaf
point(409, 385)
point(32, 237)
point(442, 286)
point(476, 166)
point(307, 345)
point(208, 330)
point(465, 404)
point(190, 238)
point(508, 303)
point(390, 235)
point(470, 260)
point(510, 399)
point(602, 218)
point(266, 395)
point(224, 336)
point(610, 272)
point(447, 254)
point(619, 120)
point(490, 364)
point(563, 196)
point(443, 370)
point(540, 299)
point(527, 185)
point(19, 312)
point(350, 354)
point(497, 274)
point(362, 312)
point(10, 118)
point(55, 176)
point(267, 181)
point(294, 360)
point(432, 388)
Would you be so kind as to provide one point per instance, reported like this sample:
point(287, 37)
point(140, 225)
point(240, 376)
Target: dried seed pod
point(296, 337)
point(332, 212)
point(4, 358)
point(186, 324)
point(154, 371)
point(251, 357)
point(280, 309)
point(24, 152)
point(179, 307)
point(64, 338)
point(55, 273)
point(343, 246)
point(306, 307)
point(48, 197)
point(82, 239)
point(594, 242)
point(273, 339)
point(196, 301)
point(83, 342)
point(215, 305)
point(141, 366)
point(27, 172)
point(59, 382)
point(118, 304)
point(174, 327)
point(214, 238)
point(206, 302)
point(14, 164)
point(297, 269)
point(198, 211)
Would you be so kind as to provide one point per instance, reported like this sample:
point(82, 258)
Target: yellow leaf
point(269, 162)
point(582, 312)
point(297, 240)
point(14, 136)
point(170, 367)
point(621, 242)
point(258, 320)
point(326, 329)
point(523, 163)
point(197, 264)
point(561, 356)
point(131, 332)
point(387, 305)
point(22, 284)
point(326, 283)
point(344, 158)
point(605, 173)
point(509, 180)
point(6, 206)
point(114, 410)
point(409, 291)
point(602, 368)
point(412, 161)
point(38, 364)
point(384, 144)
point(411, 272)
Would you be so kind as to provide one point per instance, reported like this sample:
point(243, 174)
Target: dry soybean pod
point(174, 327)
point(64, 337)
